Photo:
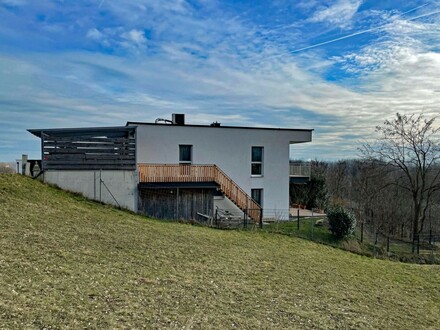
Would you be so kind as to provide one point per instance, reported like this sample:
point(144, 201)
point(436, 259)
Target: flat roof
point(72, 131)
point(221, 126)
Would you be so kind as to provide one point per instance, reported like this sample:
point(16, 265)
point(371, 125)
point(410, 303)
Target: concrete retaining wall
point(99, 186)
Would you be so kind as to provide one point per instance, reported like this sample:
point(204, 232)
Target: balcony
point(300, 172)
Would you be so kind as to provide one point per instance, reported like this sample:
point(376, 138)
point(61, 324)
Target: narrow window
point(185, 154)
point(257, 161)
point(257, 195)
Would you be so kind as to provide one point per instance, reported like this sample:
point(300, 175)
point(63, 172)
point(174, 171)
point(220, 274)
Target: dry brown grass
point(66, 262)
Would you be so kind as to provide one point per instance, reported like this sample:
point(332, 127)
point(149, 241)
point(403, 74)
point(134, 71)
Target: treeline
point(370, 191)
point(393, 188)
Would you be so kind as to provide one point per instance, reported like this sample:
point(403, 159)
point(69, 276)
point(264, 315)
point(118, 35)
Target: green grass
point(401, 251)
point(307, 230)
point(66, 262)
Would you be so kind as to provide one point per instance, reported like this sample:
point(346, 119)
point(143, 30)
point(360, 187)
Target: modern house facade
point(170, 169)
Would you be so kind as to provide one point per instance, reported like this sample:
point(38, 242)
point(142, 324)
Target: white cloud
point(218, 69)
point(339, 13)
point(95, 34)
point(134, 38)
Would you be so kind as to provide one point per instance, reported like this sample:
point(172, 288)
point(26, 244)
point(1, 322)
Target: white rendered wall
point(122, 184)
point(230, 149)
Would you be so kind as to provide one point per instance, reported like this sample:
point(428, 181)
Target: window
point(257, 195)
point(257, 161)
point(185, 153)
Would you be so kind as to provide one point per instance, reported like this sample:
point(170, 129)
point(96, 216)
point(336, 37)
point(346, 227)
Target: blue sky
point(338, 66)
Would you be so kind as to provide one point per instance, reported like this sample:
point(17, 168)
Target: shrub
point(341, 222)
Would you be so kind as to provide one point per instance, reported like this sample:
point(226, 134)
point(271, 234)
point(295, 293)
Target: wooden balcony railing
point(200, 173)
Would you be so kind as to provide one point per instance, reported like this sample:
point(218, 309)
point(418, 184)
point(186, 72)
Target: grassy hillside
point(70, 263)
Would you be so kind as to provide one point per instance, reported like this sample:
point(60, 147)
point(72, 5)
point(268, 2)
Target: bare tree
point(410, 147)
point(336, 176)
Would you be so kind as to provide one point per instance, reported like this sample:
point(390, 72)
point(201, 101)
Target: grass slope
point(66, 262)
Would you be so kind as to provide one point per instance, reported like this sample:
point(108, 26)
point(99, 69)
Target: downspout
point(136, 173)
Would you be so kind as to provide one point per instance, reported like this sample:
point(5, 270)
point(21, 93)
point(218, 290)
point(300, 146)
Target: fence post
point(388, 243)
point(244, 219)
point(215, 219)
point(297, 220)
point(376, 239)
point(261, 218)
point(362, 232)
point(418, 244)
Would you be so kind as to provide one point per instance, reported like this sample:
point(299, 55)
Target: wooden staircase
point(151, 173)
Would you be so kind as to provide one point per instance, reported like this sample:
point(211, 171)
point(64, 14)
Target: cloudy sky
point(338, 66)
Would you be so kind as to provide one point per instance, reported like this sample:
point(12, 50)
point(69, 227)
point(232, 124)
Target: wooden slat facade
point(200, 173)
point(176, 203)
point(103, 149)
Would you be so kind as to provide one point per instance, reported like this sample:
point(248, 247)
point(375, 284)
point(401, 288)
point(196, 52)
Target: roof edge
point(217, 127)
point(38, 131)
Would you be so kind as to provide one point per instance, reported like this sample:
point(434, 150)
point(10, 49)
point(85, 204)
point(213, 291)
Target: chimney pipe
point(179, 119)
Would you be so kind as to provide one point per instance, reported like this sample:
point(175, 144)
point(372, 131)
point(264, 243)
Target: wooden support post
point(177, 204)
point(261, 218)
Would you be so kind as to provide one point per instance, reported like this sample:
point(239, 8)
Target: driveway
point(304, 213)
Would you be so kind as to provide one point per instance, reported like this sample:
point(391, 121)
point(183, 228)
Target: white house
point(170, 169)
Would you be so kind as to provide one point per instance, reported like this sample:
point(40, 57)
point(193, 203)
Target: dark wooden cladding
point(89, 157)
point(106, 149)
point(91, 167)
point(176, 203)
point(89, 150)
point(89, 144)
point(94, 139)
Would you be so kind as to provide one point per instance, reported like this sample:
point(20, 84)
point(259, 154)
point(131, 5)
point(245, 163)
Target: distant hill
point(67, 262)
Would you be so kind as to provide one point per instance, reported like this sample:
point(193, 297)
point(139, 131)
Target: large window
point(257, 161)
point(185, 154)
point(257, 195)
